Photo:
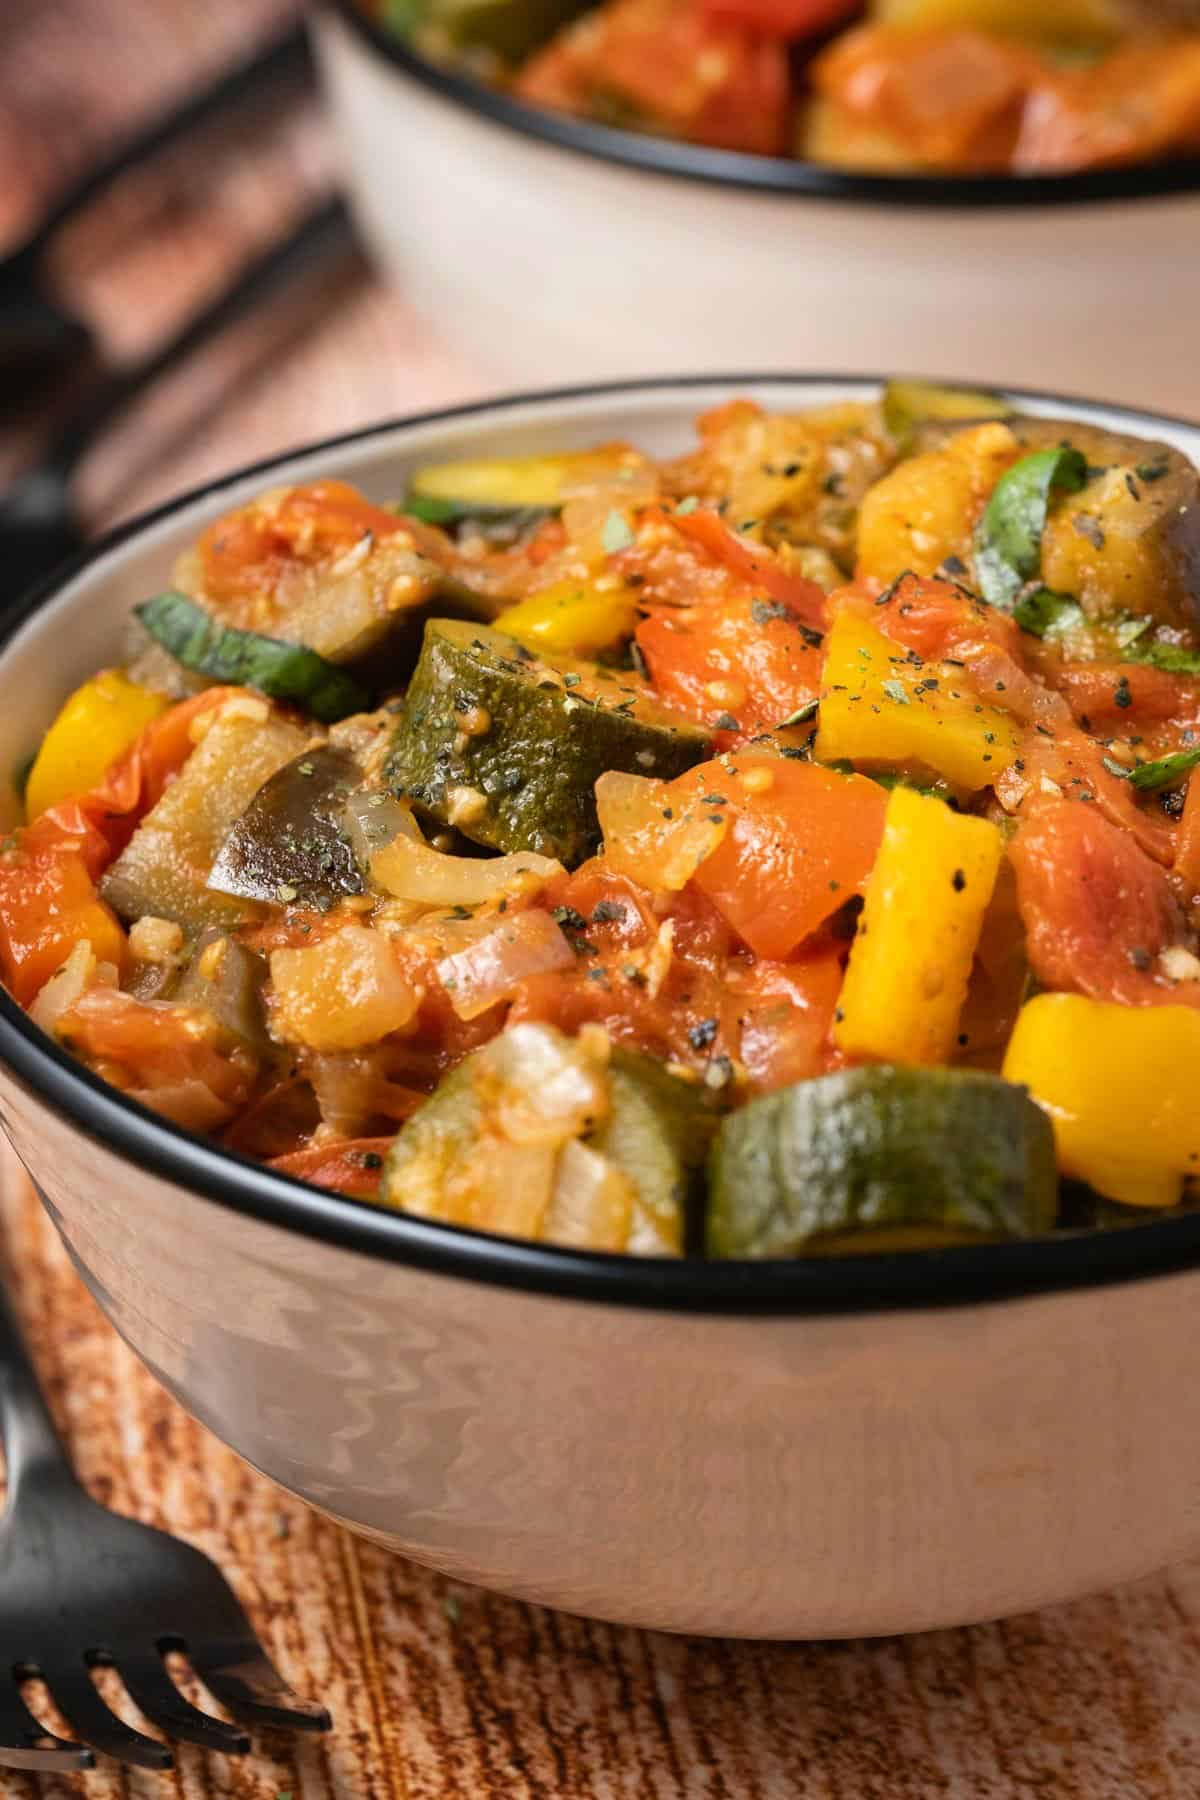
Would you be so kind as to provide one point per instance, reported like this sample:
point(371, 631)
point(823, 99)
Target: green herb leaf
point(802, 714)
point(1046, 614)
point(616, 534)
point(1116, 768)
point(1008, 543)
point(1165, 771)
point(1172, 657)
point(432, 512)
point(687, 505)
point(895, 691)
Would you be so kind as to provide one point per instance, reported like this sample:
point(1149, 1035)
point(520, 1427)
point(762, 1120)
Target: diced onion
point(355, 1089)
point(539, 1089)
point(523, 944)
point(592, 1202)
point(191, 1104)
point(660, 852)
point(374, 820)
point(409, 870)
point(64, 987)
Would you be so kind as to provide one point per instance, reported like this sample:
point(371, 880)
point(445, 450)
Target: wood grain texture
point(441, 1692)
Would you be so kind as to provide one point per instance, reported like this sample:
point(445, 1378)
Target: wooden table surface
point(442, 1692)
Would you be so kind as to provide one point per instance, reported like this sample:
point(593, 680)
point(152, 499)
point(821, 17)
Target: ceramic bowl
point(860, 1445)
point(549, 249)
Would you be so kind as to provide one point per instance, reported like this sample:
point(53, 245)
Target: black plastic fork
point(83, 1588)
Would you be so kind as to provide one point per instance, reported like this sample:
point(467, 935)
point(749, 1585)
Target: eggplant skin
point(291, 843)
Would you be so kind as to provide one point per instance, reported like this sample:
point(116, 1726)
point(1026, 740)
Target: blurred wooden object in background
point(74, 73)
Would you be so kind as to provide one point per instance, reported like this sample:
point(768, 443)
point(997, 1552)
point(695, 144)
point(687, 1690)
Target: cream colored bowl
point(872, 1444)
point(547, 249)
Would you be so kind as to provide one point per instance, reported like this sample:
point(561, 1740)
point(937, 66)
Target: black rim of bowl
point(916, 1278)
point(772, 174)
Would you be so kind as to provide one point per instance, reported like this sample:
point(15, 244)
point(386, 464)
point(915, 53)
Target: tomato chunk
point(801, 842)
point(49, 902)
point(353, 1167)
point(1098, 913)
point(785, 1011)
point(737, 665)
point(245, 552)
point(755, 566)
point(782, 18)
point(1122, 698)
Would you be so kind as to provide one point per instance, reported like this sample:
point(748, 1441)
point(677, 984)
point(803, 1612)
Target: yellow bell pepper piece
point(911, 958)
point(98, 722)
point(880, 709)
point(575, 618)
point(1119, 1083)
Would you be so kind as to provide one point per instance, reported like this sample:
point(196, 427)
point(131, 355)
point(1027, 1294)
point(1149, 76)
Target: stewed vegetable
point(804, 861)
point(953, 86)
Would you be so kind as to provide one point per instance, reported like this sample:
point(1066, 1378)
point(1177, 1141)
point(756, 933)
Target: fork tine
point(254, 1691)
point(26, 1744)
point(76, 1697)
point(155, 1693)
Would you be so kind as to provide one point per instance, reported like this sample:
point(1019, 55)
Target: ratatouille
point(787, 848)
point(948, 87)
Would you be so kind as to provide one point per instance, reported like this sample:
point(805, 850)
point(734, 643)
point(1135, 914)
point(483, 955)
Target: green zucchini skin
point(918, 1155)
point(501, 526)
point(525, 780)
point(291, 842)
point(282, 671)
point(657, 1133)
point(907, 406)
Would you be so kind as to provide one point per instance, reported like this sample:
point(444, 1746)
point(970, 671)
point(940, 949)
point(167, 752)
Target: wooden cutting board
point(441, 1692)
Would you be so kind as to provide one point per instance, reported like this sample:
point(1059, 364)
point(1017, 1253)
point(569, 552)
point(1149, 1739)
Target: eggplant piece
point(1129, 541)
point(291, 844)
point(227, 980)
point(163, 870)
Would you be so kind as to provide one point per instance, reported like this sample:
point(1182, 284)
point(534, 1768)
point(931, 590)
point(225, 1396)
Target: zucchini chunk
point(881, 1158)
point(513, 483)
point(291, 844)
point(163, 870)
point(908, 405)
point(657, 1133)
point(539, 1136)
point(508, 29)
point(507, 747)
point(224, 653)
